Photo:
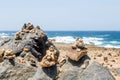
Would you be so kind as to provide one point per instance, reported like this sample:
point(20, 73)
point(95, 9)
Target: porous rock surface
point(31, 45)
point(94, 71)
point(14, 71)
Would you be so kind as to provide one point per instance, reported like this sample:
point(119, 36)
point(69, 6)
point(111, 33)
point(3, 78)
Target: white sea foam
point(95, 40)
point(4, 35)
point(70, 39)
point(111, 46)
point(64, 39)
point(114, 42)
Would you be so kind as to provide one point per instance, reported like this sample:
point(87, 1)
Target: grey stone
point(94, 71)
point(10, 70)
point(45, 74)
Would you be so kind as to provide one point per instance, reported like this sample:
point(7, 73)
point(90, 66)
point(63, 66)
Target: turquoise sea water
point(99, 38)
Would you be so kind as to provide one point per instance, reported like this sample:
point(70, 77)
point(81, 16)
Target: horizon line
point(65, 30)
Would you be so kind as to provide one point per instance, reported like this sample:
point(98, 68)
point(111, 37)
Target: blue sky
point(61, 14)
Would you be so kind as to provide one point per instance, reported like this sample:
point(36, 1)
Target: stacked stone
point(6, 54)
point(29, 46)
point(78, 50)
point(50, 58)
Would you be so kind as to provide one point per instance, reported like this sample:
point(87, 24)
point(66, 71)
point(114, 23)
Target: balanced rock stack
point(50, 58)
point(29, 46)
point(78, 50)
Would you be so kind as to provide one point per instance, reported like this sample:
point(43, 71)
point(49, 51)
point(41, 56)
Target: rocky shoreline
point(30, 55)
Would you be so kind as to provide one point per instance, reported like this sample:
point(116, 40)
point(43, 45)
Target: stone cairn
point(78, 50)
point(29, 46)
point(50, 58)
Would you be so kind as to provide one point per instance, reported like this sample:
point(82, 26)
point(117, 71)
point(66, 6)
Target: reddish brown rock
point(78, 50)
point(31, 61)
point(17, 36)
point(75, 56)
point(21, 60)
point(105, 59)
point(1, 59)
point(2, 51)
point(50, 59)
point(9, 54)
point(62, 60)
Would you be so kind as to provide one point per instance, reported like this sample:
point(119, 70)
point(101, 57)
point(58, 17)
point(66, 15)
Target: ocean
point(109, 39)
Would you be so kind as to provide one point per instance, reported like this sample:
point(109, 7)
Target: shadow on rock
point(80, 62)
point(51, 71)
point(45, 73)
point(12, 62)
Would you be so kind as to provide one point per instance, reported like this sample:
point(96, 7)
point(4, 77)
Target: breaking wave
point(114, 42)
point(111, 46)
point(70, 39)
point(4, 35)
point(64, 39)
point(95, 40)
point(87, 40)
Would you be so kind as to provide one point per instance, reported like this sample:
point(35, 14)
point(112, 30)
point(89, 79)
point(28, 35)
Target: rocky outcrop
point(30, 44)
point(33, 37)
point(94, 71)
point(29, 55)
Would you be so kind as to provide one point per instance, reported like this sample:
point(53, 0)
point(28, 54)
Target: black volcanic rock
point(35, 38)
